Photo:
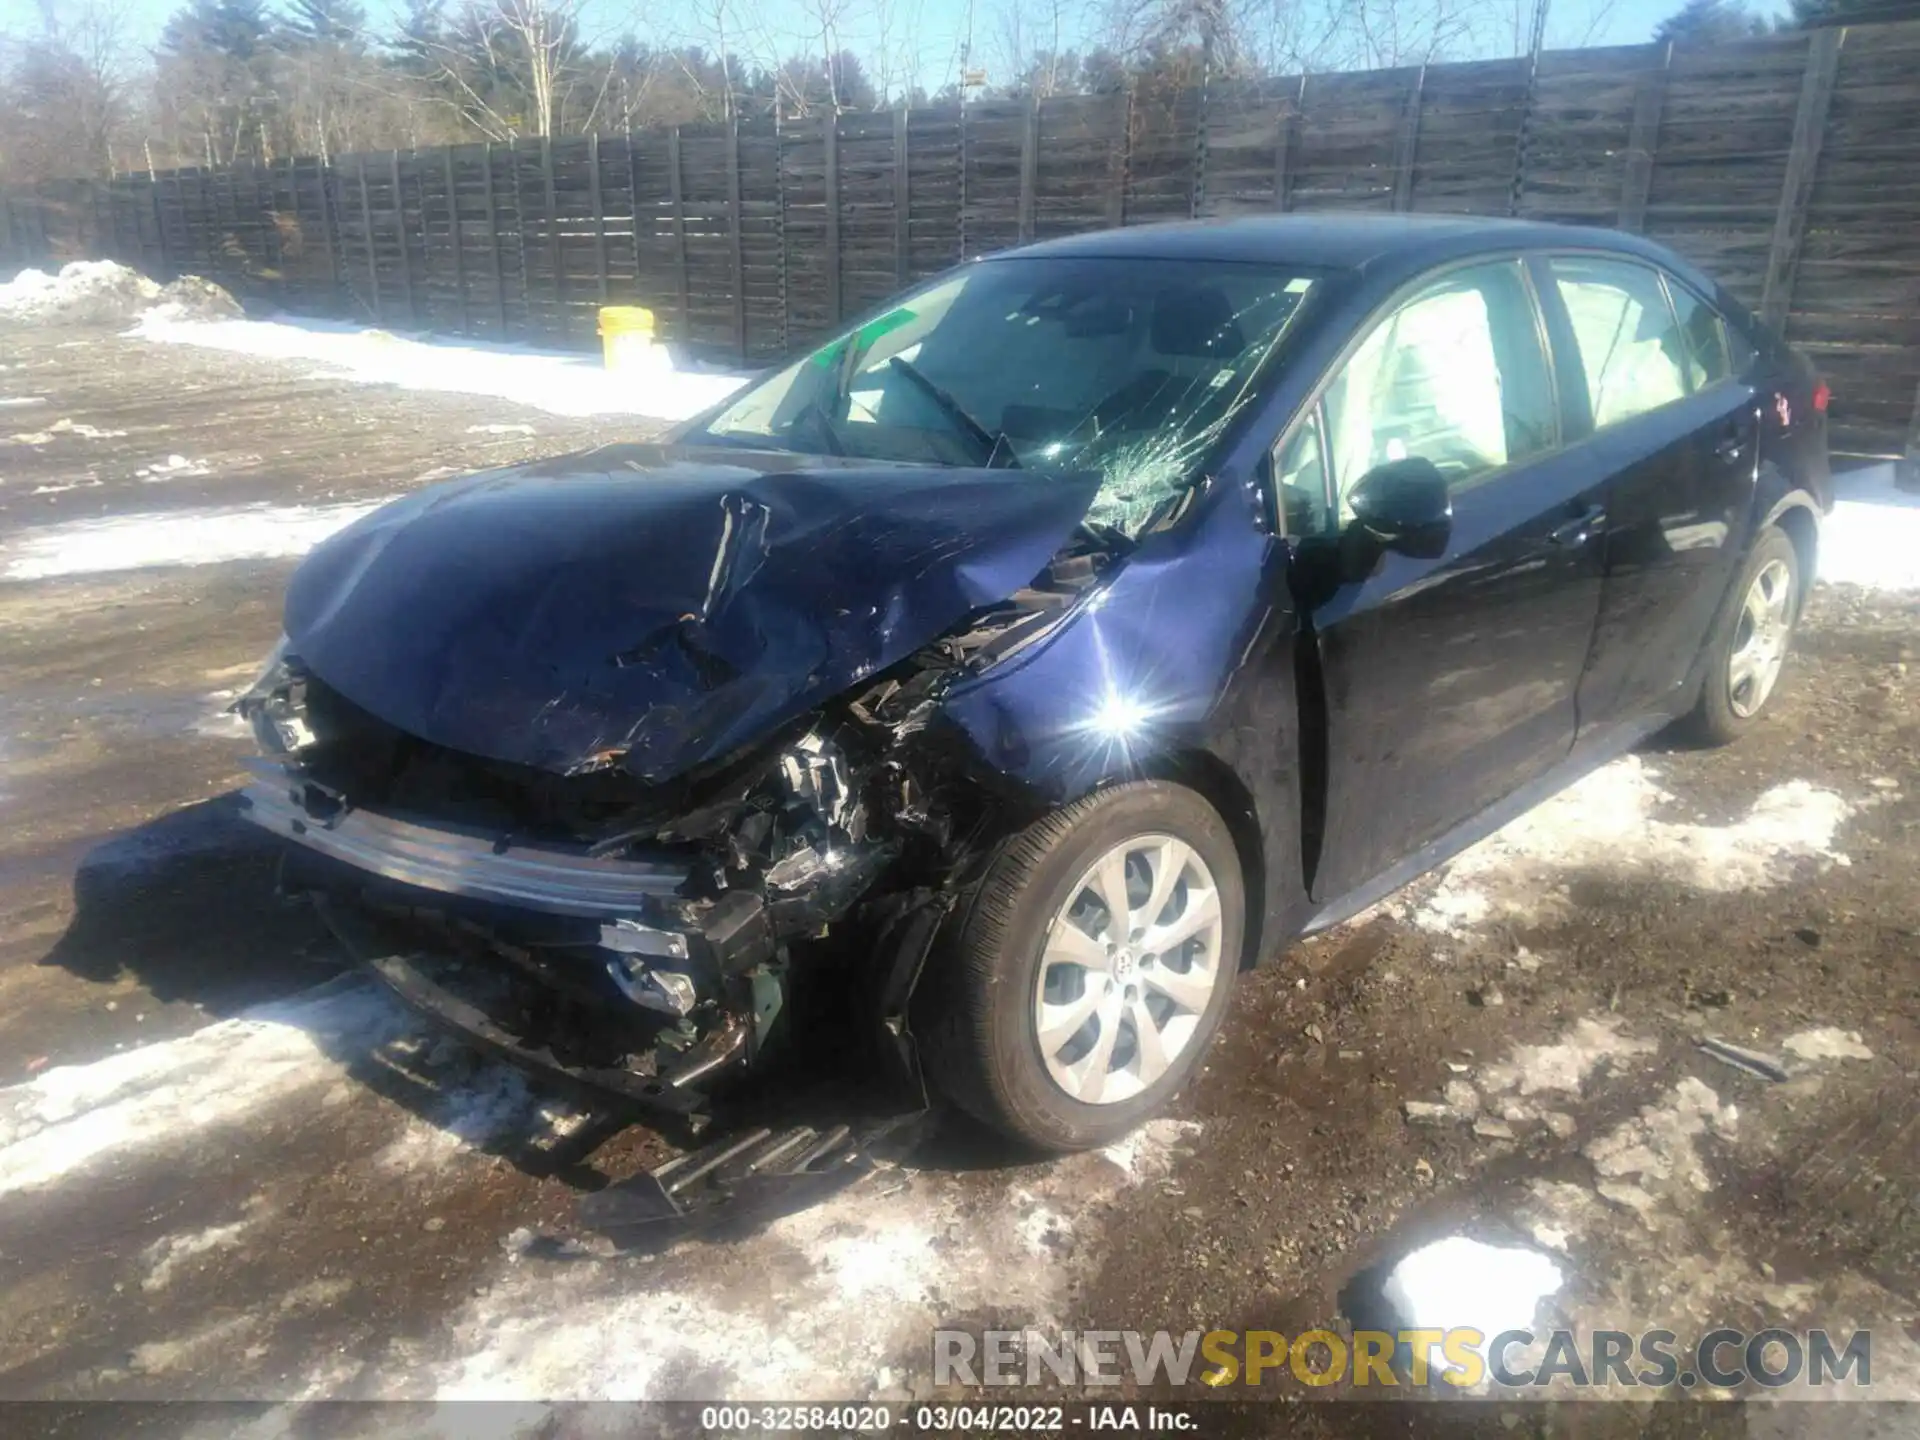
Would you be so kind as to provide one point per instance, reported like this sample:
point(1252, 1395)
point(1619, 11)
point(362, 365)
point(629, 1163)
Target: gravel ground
point(230, 1171)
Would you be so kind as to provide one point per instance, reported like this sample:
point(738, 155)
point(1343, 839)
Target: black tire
point(1714, 720)
point(973, 1013)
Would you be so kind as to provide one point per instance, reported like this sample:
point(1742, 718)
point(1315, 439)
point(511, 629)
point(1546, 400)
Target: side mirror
point(1404, 505)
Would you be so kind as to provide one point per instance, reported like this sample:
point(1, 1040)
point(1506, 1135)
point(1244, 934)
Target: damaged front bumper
point(450, 861)
point(606, 975)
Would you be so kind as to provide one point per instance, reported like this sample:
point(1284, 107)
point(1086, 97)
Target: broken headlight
point(275, 705)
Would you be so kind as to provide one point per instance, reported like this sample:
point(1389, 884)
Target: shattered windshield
point(1131, 368)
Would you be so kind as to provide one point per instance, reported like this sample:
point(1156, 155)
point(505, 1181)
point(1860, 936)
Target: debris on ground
point(1751, 1061)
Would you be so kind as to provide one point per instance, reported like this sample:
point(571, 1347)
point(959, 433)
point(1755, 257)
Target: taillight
point(1821, 395)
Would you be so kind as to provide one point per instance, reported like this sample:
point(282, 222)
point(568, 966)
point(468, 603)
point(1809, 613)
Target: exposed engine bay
point(642, 941)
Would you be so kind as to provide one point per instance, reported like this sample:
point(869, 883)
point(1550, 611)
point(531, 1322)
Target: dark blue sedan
point(997, 680)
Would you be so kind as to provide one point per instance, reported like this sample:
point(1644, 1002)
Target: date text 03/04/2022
point(961, 1418)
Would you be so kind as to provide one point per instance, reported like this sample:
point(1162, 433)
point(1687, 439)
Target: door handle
point(1731, 448)
point(1580, 529)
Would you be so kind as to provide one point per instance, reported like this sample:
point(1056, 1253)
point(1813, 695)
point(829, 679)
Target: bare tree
point(518, 67)
point(1034, 44)
point(65, 96)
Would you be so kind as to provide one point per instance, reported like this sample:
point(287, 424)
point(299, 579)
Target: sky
point(924, 34)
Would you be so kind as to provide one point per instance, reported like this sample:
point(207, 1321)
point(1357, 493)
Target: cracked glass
point(1132, 369)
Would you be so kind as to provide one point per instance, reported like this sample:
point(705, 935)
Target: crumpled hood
point(658, 607)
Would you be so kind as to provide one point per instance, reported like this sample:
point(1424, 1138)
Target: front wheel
point(1749, 647)
point(1078, 991)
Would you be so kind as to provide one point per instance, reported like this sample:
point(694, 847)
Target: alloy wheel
point(1132, 961)
point(1760, 639)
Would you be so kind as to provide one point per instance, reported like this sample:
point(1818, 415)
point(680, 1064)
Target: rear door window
point(1631, 346)
point(1708, 361)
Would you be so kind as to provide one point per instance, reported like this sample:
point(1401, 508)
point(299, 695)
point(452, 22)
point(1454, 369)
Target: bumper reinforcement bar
point(452, 861)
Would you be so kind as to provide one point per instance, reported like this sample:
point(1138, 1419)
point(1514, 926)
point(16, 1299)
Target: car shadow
point(187, 905)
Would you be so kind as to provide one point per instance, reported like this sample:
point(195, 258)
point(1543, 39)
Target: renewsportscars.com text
point(1462, 1358)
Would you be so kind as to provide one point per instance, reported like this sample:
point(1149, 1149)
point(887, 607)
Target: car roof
point(1340, 241)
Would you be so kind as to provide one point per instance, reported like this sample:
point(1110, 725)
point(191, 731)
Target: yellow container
point(626, 335)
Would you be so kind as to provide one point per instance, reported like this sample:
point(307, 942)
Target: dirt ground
point(230, 1171)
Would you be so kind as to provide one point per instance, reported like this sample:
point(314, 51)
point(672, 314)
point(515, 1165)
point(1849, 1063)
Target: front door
point(1449, 682)
point(1679, 436)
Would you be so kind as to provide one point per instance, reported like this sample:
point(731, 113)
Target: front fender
point(1181, 665)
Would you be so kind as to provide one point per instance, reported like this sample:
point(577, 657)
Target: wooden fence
point(1784, 165)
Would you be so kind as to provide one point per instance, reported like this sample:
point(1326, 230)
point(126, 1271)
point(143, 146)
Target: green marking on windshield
point(829, 356)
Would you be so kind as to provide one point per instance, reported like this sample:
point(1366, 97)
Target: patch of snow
point(1872, 538)
point(813, 1307)
point(500, 429)
point(65, 427)
point(1653, 1155)
point(174, 467)
point(1149, 1151)
point(88, 482)
point(177, 537)
point(1459, 1282)
point(1827, 1042)
point(65, 1118)
point(478, 1109)
point(1606, 821)
point(9, 401)
point(168, 1253)
point(1564, 1065)
point(219, 722)
point(556, 383)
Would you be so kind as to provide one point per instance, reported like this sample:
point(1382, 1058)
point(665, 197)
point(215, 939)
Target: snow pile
point(559, 384)
point(833, 1302)
point(66, 1118)
point(1872, 538)
point(1609, 821)
point(178, 537)
point(104, 292)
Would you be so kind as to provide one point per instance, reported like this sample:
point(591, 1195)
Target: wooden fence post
point(677, 198)
point(733, 238)
point(1803, 163)
point(1906, 470)
point(1029, 164)
point(453, 237)
point(160, 226)
point(831, 135)
point(1648, 103)
point(493, 247)
point(1119, 157)
point(1523, 136)
point(902, 199)
point(1289, 126)
point(520, 234)
point(1407, 144)
point(599, 214)
point(633, 204)
point(366, 238)
point(553, 236)
point(400, 234)
point(329, 223)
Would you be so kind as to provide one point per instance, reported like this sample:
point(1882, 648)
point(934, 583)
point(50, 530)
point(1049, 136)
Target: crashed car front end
point(642, 939)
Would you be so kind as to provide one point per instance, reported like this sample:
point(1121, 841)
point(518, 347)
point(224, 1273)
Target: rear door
point(1678, 435)
point(1448, 682)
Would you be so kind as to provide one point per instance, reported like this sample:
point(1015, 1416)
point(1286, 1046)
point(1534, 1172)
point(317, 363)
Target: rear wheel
point(1080, 988)
point(1749, 648)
